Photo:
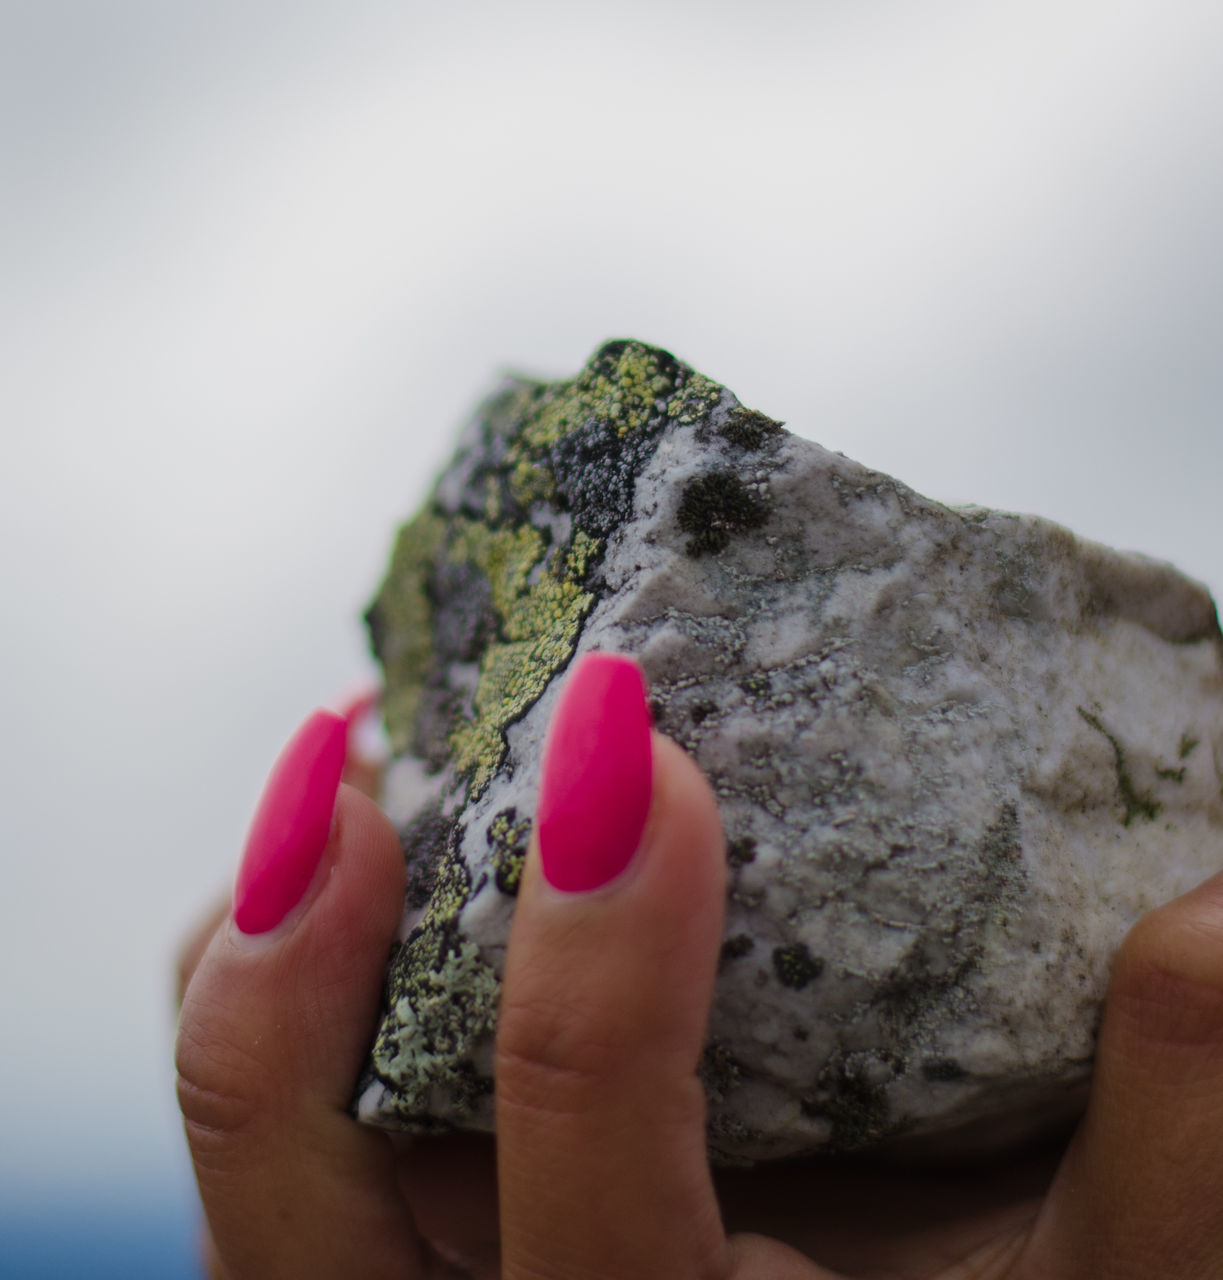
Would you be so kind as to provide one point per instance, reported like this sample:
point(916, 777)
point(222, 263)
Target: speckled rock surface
point(957, 754)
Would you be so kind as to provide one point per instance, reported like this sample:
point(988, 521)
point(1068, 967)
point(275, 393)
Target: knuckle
point(549, 1058)
point(221, 1090)
point(1167, 981)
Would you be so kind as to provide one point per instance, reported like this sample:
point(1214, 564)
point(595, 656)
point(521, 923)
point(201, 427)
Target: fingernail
point(597, 773)
point(291, 824)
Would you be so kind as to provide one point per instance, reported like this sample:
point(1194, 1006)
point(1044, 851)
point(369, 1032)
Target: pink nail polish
point(597, 774)
point(291, 824)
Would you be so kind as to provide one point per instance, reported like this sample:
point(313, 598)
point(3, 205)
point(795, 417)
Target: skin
point(599, 1169)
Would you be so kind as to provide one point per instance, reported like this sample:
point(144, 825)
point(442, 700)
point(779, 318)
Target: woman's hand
point(599, 1170)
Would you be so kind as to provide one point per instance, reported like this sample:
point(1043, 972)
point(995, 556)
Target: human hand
point(600, 1159)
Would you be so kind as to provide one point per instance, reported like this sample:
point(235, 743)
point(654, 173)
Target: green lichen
point(434, 1032)
point(540, 623)
point(1136, 803)
point(442, 1000)
point(1187, 747)
point(483, 582)
point(401, 623)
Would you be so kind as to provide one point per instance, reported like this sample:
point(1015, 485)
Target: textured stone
point(957, 753)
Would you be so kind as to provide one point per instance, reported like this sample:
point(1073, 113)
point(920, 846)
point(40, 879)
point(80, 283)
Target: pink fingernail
point(597, 774)
point(291, 824)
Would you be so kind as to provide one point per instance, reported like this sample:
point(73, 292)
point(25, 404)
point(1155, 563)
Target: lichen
point(507, 837)
point(735, 948)
point(1136, 803)
point(441, 1000)
point(401, 624)
point(714, 506)
point(540, 623)
point(749, 429)
point(434, 1030)
point(854, 1104)
point(795, 966)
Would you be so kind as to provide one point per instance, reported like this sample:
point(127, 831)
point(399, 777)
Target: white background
point(258, 260)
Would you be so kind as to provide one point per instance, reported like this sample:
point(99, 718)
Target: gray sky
point(259, 260)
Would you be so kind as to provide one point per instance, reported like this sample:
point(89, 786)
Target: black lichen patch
point(596, 469)
point(1172, 775)
point(719, 1071)
point(465, 620)
point(702, 710)
point(856, 1106)
point(1136, 804)
point(507, 836)
point(741, 851)
point(715, 506)
point(942, 1070)
point(749, 429)
point(917, 986)
point(425, 840)
point(1187, 747)
point(795, 966)
point(1001, 854)
point(735, 949)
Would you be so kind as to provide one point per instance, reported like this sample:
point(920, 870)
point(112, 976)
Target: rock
point(957, 753)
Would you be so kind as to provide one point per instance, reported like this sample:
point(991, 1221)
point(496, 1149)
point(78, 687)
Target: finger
point(600, 1115)
point(366, 754)
point(192, 951)
point(274, 1027)
point(1141, 1190)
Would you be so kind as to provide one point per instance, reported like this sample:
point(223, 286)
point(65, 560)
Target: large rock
point(957, 753)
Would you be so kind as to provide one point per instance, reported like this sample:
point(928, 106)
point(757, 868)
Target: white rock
point(957, 754)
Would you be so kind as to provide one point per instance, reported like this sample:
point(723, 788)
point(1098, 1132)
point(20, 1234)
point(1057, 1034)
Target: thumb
point(274, 1025)
point(608, 978)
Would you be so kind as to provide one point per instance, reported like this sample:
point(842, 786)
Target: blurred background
point(258, 261)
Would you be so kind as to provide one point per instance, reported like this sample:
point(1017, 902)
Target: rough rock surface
point(957, 753)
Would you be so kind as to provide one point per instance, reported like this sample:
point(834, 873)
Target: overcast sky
point(258, 260)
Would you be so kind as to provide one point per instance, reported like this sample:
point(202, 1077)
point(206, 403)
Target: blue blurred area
point(69, 1240)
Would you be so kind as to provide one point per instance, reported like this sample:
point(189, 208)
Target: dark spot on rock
point(719, 1071)
point(1187, 747)
point(801, 1033)
point(464, 619)
point(424, 842)
point(657, 712)
point(856, 1107)
point(701, 711)
point(1001, 853)
point(735, 948)
point(942, 1069)
point(795, 966)
point(749, 429)
point(741, 851)
point(714, 506)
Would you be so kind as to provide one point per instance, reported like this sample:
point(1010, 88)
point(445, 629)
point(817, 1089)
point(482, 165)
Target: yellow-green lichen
point(540, 623)
point(442, 1000)
point(627, 393)
point(402, 623)
point(429, 1042)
